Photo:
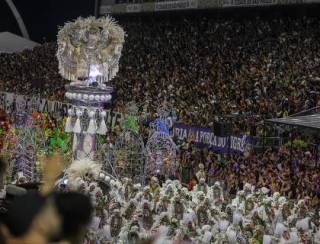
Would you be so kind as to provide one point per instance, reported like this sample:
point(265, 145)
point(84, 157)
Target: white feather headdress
point(81, 168)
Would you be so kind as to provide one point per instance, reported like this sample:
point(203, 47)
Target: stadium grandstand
point(232, 85)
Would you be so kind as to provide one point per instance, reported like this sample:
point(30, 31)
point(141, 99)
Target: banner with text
point(205, 137)
point(173, 5)
point(105, 9)
point(10, 102)
point(134, 8)
point(247, 3)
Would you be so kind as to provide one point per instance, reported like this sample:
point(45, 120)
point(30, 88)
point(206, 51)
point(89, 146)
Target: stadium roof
point(307, 121)
point(11, 43)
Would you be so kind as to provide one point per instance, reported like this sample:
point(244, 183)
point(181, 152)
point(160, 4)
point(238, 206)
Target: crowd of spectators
point(295, 176)
point(26, 72)
point(210, 67)
point(207, 67)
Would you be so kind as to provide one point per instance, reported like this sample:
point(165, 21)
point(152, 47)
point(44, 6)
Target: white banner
point(105, 9)
point(133, 8)
point(281, 2)
point(173, 5)
point(246, 3)
point(10, 102)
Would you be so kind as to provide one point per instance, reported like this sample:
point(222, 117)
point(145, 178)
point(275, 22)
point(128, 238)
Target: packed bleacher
point(19, 71)
point(295, 177)
point(207, 67)
point(218, 67)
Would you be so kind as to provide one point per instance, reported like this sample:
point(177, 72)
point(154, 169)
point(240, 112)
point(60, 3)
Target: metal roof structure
point(11, 43)
point(311, 120)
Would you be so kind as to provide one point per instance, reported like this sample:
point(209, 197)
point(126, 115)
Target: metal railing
point(141, 1)
point(259, 144)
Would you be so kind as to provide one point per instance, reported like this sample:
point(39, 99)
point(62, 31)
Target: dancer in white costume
point(128, 213)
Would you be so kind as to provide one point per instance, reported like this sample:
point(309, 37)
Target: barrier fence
point(158, 6)
point(200, 137)
point(259, 144)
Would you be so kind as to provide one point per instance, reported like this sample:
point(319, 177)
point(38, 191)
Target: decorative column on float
point(160, 148)
point(89, 50)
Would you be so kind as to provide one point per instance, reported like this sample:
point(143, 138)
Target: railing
point(307, 112)
point(259, 144)
point(137, 6)
point(141, 1)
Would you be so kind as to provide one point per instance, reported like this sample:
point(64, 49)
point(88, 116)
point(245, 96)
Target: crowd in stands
point(208, 67)
point(26, 72)
point(295, 177)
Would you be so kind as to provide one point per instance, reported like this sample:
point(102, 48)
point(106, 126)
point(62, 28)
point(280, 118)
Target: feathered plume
point(83, 167)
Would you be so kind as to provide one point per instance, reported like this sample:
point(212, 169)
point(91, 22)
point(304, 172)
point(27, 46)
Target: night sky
point(42, 17)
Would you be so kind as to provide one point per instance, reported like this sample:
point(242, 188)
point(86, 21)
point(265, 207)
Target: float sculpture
point(89, 50)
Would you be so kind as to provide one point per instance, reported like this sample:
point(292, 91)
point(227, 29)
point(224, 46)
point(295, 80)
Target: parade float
point(160, 148)
point(88, 53)
point(24, 142)
point(127, 159)
point(27, 138)
point(89, 50)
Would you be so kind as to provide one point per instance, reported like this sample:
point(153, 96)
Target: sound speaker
point(222, 129)
point(38, 84)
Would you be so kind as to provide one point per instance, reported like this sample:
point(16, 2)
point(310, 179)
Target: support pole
point(96, 8)
point(263, 136)
point(292, 176)
point(19, 20)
